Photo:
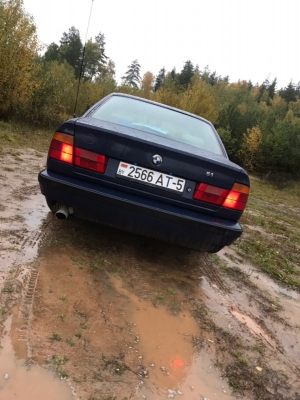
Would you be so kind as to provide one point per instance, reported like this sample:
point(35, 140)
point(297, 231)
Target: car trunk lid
point(138, 148)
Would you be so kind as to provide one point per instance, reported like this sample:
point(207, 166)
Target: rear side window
point(159, 121)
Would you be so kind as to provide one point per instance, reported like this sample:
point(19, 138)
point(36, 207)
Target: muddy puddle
point(164, 349)
point(18, 378)
point(23, 212)
point(22, 209)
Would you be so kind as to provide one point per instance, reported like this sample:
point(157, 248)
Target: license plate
point(149, 177)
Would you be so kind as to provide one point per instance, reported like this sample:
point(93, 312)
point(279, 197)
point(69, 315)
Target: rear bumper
point(139, 215)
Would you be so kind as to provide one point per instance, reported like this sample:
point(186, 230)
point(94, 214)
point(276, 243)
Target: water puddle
point(23, 210)
point(253, 326)
point(163, 345)
point(21, 381)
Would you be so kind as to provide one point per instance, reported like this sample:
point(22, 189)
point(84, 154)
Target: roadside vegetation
point(271, 239)
point(258, 122)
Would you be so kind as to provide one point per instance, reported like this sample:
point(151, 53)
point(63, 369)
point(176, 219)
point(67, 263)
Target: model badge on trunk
point(156, 159)
point(88, 138)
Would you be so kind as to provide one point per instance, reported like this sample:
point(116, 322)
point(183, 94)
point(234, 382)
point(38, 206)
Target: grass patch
point(21, 135)
point(55, 337)
point(61, 316)
point(8, 288)
point(264, 254)
point(58, 363)
point(70, 342)
point(171, 291)
point(259, 349)
point(272, 232)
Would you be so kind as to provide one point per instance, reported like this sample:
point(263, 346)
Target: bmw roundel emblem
point(157, 159)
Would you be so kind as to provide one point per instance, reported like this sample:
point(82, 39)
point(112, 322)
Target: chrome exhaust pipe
point(62, 212)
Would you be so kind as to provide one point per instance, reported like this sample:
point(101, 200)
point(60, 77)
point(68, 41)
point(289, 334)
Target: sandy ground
point(90, 312)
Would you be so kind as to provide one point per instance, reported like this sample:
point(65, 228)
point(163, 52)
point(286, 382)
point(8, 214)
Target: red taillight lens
point(236, 198)
point(61, 147)
point(210, 194)
point(90, 160)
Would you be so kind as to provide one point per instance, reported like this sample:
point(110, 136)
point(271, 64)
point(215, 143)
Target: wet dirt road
point(91, 312)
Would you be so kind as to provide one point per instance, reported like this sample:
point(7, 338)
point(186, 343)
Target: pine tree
point(71, 49)
point(159, 79)
point(52, 52)
point(186, 74)
point(132, 77)
point(100, 40)
point(289, 92)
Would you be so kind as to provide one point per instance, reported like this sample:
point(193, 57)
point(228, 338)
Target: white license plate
point(149, 177)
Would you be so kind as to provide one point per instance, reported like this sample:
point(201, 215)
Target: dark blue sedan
point(146, 168)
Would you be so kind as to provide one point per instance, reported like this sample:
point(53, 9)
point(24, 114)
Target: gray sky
point(245, 39)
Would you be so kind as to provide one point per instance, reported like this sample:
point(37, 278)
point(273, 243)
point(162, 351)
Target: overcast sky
point(244, 39)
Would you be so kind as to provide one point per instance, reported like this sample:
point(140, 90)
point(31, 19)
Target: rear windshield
point(159, 121)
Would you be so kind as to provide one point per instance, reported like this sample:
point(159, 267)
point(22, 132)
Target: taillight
point(210, 194)
point(90, 160)
point(235, 199)
point(61, 147)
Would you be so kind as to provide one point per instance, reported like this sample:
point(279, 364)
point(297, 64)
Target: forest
point(258, 123)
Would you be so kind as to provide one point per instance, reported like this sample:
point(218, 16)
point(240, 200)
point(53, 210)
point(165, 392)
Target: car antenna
point(82, 60)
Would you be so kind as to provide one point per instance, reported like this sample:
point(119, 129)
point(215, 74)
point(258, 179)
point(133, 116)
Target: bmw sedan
point(149, 169)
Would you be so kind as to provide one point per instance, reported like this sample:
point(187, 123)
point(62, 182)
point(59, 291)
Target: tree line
point(258, 123)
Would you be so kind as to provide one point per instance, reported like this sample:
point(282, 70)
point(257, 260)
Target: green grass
point(271, 239)
point(61, 316)
point(21, 135)
point(8, 287)
point(259, 349)
point(70, 342)
point(58, 363)
point(171, 291)
point(270, 260)
point(55, 337)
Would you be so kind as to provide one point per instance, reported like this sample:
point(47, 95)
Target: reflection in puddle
point(163, 344)
point(20, 382)
point(204, 379)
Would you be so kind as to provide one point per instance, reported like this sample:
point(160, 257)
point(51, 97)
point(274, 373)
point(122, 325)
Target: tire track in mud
point(25, 281)
point(135, 272)
point(26, 191)
point(257, 326)
point(206, 267)
point(23, 230)
point(25, 309)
